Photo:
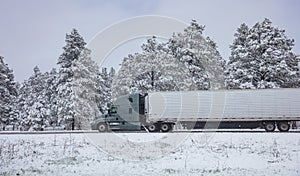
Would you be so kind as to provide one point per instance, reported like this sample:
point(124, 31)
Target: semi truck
point(219, 109)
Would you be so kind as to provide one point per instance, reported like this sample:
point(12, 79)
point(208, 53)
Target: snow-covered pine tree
point(216, 72)
point(76, 88)
point(8, 93)
point(66, 108)
point(163, 72)
point(199, 55)
point(238, 69)
point(268, 61)
point(104, 85)
point(34, 108)
point(86, 100)
point(52, 96)
point(122, 83)
point(152, 70)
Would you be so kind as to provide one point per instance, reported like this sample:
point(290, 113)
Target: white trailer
point(265, 108)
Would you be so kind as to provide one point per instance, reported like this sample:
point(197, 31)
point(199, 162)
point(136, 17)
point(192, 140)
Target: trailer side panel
point(223, 105)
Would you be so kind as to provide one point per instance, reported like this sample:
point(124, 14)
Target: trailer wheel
point(283, 126)
point(152, 128)
point(165, 127)
point(270, 126)
point(102, 127)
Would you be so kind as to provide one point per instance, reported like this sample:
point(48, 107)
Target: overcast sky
point(32, 32)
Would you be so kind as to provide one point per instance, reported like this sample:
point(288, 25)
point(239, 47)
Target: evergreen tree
point(152, 70)
point(200, 56)
point(105, 80)
point(33, 102)
point(262, 58)
point(66, 96)
point(86, 73)
point(238, 70)
point(123, 81)
point(76, 88)
point(8, 93)
point(52, 97)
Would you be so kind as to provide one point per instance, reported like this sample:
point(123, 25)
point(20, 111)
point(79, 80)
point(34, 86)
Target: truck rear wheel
point(165, 127)
point(270, 126)
point(102, 127)
point(283, 126)
point(152, 128)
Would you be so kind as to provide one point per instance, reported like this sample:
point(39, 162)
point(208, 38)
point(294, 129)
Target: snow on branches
point(262, 57)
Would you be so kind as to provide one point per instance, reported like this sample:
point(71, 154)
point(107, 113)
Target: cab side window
point(113, 110)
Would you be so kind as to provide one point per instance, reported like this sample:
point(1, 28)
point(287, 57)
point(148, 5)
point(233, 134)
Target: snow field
point(196, 154)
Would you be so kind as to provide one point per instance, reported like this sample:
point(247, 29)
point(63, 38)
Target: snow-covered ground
point(215, 154)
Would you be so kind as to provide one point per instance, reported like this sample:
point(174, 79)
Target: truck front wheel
point(270, 126)
point(102, 127)
point(283, 126)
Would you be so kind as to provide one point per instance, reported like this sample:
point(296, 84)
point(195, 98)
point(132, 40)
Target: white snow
point(210, 153)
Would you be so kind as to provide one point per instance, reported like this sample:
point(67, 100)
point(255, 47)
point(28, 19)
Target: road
point(175, 131)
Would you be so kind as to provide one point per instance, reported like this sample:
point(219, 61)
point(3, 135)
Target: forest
point(78, 90)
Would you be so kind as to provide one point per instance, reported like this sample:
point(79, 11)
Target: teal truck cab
point(128, 113)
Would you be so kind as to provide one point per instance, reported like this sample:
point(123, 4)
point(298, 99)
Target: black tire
point(165, 127)
point(152, 128)
point(102, 127)
point(270, 126)
point(283, 126)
